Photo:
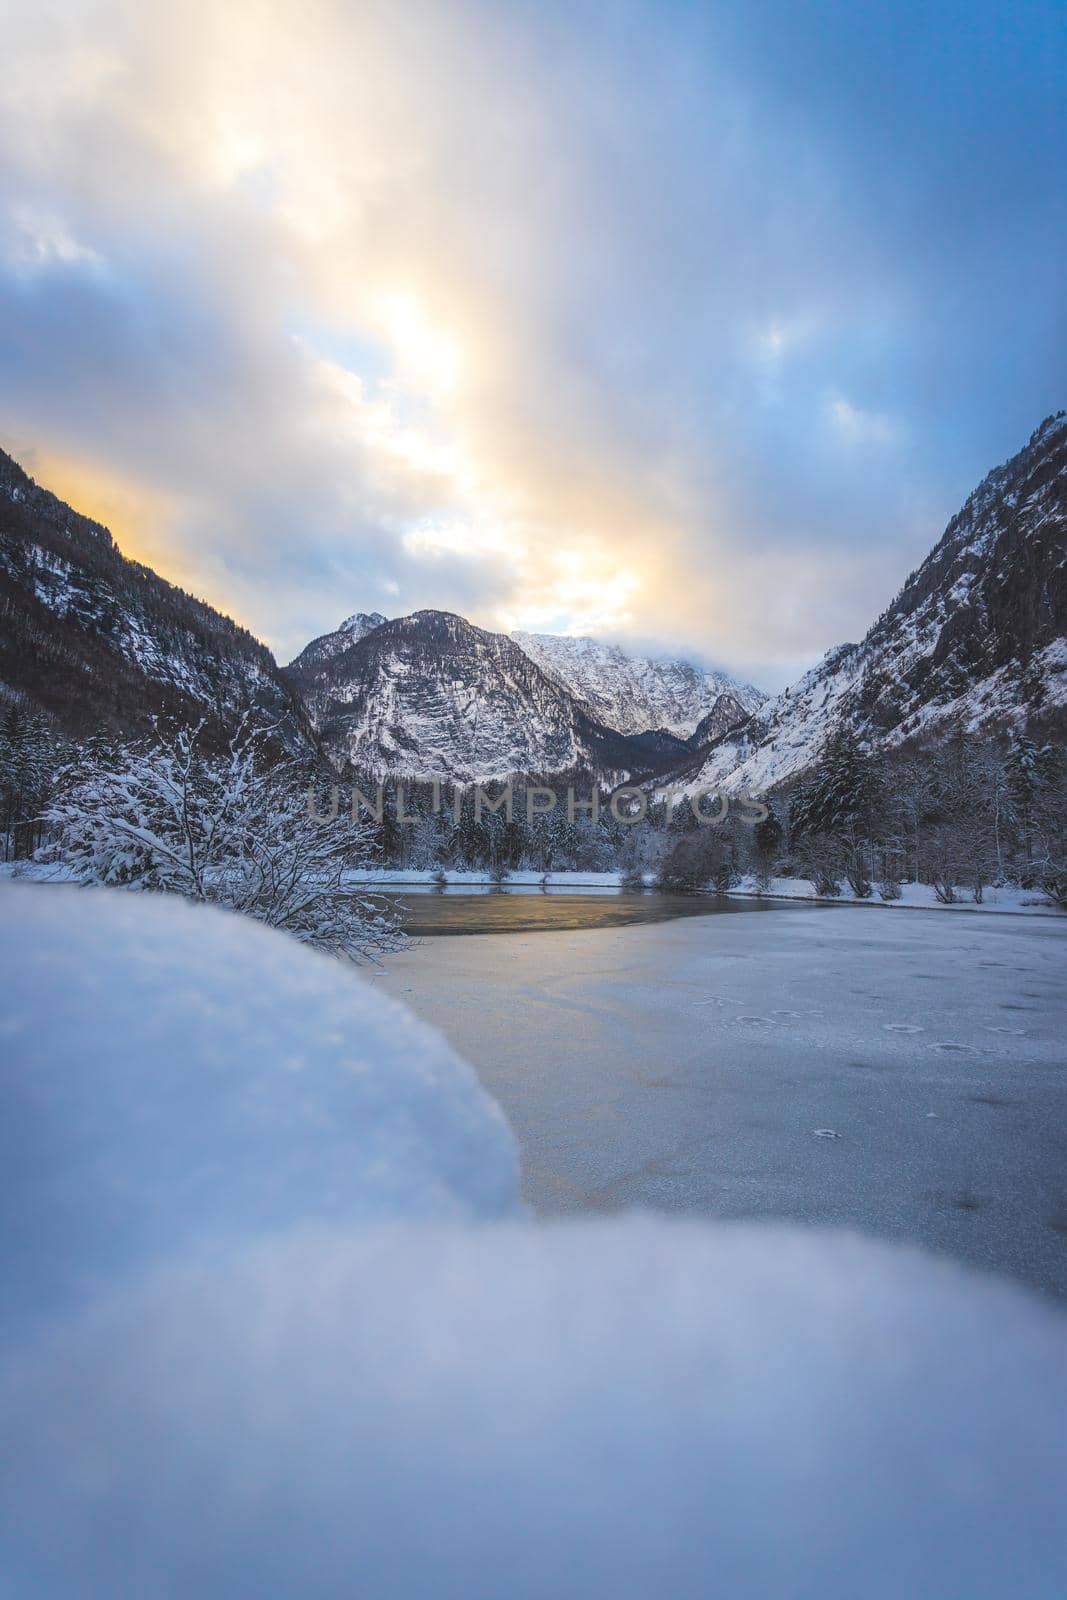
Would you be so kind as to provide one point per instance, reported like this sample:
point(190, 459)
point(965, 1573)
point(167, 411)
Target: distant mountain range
point(430, 694)
point(101, 644)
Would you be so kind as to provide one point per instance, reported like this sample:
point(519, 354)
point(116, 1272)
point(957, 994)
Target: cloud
point(856, 426)
point(591, 313)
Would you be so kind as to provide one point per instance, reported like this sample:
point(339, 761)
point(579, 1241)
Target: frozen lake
point(530, 910)
point(903, 1073)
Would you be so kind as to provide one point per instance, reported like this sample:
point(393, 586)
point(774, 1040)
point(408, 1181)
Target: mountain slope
point(633, 694)
point(978, 633)
point(431, 695)
point(102, 644)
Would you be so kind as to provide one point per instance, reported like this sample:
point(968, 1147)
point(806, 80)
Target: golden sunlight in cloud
point(436, 537)
point(130, 511)
point(581, 595)
point(427, 356)
point(395, 445)
point(353, 291)
point(325, 180)
point(140, 520)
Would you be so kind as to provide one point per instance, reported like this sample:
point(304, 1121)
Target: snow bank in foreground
point(281, 1362)
point(171, 1074)
point(620, 1408)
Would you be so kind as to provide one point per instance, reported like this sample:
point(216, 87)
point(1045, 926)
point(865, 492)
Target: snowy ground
point(919, 896)
point(623, 1409)
point(275, 1324)
point(171, 1074)
point(902, 1075)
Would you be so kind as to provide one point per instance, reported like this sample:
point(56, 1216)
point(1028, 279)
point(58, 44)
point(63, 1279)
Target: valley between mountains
point(977, 637)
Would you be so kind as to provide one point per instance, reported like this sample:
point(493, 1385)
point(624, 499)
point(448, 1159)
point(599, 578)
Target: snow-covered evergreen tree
point(844, 786)
point(1024, 769)
point(28, 756)
point(767, 838)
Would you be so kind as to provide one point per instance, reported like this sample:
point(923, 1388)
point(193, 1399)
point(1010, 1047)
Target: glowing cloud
point(599, 318)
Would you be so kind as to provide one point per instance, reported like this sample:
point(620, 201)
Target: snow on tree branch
point(234, 830)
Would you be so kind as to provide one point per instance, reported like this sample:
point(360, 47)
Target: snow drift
point(620, 1408)
point(173, 1074)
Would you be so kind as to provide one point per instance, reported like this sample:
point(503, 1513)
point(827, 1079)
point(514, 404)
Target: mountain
point(633, 694)
point(328, 645)
point(978, 634)
point(102, 644)
point(430, 695)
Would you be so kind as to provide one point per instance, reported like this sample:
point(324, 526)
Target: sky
point(687, 325)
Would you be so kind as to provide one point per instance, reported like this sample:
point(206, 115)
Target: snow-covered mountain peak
point(329, 645)
point(361, 623)
point(633, 693)
point(431, 695)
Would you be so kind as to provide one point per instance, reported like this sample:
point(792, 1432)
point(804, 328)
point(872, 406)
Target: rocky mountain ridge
point(431, 695)
point(102, 644)
point(977, 635)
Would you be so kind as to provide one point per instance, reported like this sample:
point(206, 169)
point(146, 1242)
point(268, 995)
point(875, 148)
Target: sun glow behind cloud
point(587, 319)
point(428, 357)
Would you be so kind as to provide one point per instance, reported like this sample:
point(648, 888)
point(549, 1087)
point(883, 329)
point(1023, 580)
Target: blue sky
point(685, 324)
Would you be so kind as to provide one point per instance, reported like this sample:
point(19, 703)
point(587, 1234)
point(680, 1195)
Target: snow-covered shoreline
point(1006, 901)
point(477, 877)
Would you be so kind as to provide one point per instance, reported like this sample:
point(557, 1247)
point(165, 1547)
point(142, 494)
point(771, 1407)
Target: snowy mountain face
point(633, 694)
point(978, 634)
point(431, 695)
point(328, 645)
point(104, 644)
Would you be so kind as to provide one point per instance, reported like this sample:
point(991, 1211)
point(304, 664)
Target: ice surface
point(688, 1065)
point(172, 1074)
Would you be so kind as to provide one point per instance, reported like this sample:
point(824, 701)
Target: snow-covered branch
point(233, 829)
